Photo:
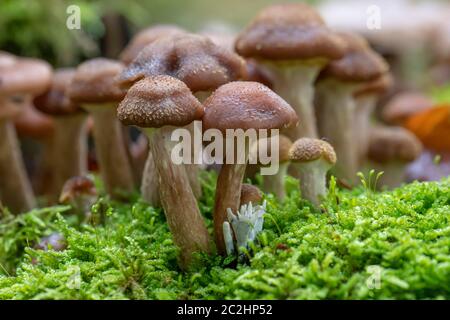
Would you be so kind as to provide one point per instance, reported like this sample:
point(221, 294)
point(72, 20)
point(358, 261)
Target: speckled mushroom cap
point(23, 75)
point(404, 105)
point(77, 187)
point(360, 63)
point(289, 31)
point(95, 82)
point(193, 59)
point(247, 105)
point(309, 149)
point(375, 87)
point(393, 144)
point(250, 193)
point(158, 101)
point(55, 101)
point(144, 38)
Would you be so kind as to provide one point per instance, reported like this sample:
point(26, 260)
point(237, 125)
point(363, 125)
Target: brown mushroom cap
point(289, 31)
point(193, 59)
point(360, 62)
point(247, 105)
point(76, 187)
point(56, 101)
point(23, 75)
point(159, 101)
point(393, 143)
point(404, 105)
point(144, 38)
point(308, 149)
point(95, 82)
point(250, 193)
point(377, 86)
point(33, 123)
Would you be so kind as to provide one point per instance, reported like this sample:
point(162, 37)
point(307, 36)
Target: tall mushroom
point(94, 87)
point(198, 62)
point(158, 105)
point(336, 104)
point(294, 43)
point(313, 158)
point(241, 105)
point(22, 78)
point(69, 151)
point(390, 150)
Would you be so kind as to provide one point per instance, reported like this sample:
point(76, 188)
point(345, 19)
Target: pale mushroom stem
point(313, 183)
point(180, 206)
point(15, 188)
point(275, 183)
point(114, 163)
point(70, 149)
point(150, 182)
point(295, 84)
point(365, 106)
point(336, 108)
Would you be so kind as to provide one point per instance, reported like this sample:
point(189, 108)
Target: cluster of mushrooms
point(286, 70)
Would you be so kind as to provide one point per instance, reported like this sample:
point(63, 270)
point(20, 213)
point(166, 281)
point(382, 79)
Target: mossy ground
point(302, 254)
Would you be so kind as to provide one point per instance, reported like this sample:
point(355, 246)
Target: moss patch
point(403, 236)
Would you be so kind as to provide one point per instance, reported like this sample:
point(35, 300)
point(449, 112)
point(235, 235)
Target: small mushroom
point(391, 149)
point(18, 78)
point(241, 105)
point(69, 152)
point(336, 104)
point(292, 41)
point(404, 105)
point(81, 194)
point(158, 105)
point(312, 158)
point(250, 193)
point(94, 88)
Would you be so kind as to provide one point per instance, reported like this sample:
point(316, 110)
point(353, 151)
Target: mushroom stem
point(114, 163)
point(365, 105)
point(275, 183)
point(150, 182)
point(312, 176)
point(295, 84)
point(70, 149)
point(180, 206)
point(15, 188)
point(336, 108)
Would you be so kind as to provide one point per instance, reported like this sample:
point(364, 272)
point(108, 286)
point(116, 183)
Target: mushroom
point(241, 105)
point(69, 152)
point(366, 98)
point(94, 88)
point(18, 78)
point(336, 104)
point(250, 194)
point(81, 194)
point(158, 105)
point(198, 62)
point(404, 105)
point(312, 158)
point(144, 38)
point(390, 151)
point(292, 41)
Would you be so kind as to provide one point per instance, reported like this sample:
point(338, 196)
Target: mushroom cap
point(287, 32)
point(158, 101)
point(55, 101)
point(404, 105)
point(309, 149)
point(144, 38)
point(33, 123)
point(95, 82)
point(193, 59)
point(393, 144)
point(247, 105)
point(250, 193)
point(359, 63)
point(375, 87)
point(23, 75)
point(76, 187)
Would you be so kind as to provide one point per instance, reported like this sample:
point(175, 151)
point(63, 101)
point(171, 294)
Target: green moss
point(301, 254)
